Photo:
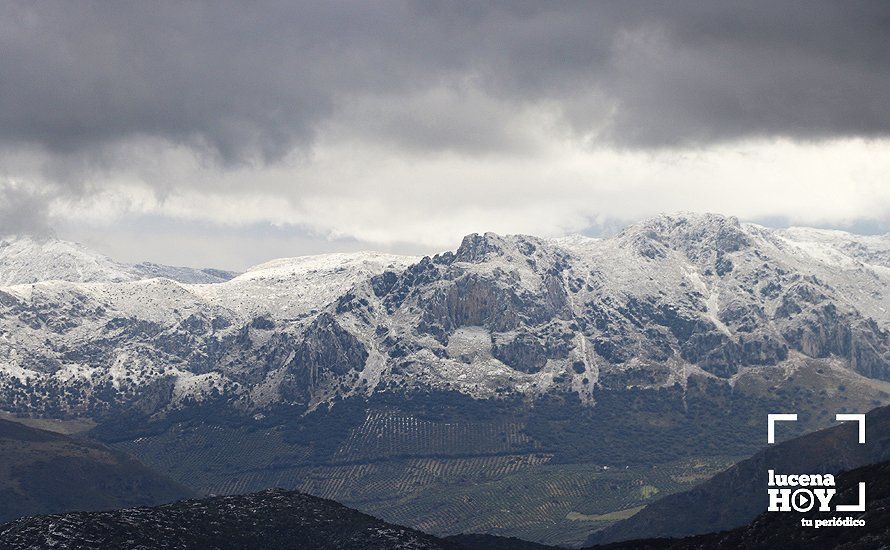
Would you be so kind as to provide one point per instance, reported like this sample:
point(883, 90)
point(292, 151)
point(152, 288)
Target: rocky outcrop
point(326, 352)
point(524, 353)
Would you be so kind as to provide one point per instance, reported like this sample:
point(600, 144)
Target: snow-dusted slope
point(858, 266)
point(290, 288)
point(133, 333)
point(839, 248)
point(26, 260)
point(667, 300)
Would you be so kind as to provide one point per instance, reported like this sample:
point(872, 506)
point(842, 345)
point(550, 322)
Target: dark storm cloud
point(254, 81)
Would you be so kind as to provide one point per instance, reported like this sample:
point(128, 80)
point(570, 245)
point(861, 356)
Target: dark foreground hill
point(270, 519)
point(475, 541)
point(736, 496)
point(43, 472)
point(783, 530)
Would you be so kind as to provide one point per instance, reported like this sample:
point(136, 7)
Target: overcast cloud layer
point(402, 126)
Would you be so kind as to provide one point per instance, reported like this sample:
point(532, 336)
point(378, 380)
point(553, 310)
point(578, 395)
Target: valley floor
point(526, 495)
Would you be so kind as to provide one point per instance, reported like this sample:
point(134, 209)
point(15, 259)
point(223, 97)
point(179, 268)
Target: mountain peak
point(476, 248)
point(686, 224)
point(27, 260)
point(696, 235)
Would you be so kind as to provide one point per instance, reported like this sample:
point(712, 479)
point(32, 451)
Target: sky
point(225, 134)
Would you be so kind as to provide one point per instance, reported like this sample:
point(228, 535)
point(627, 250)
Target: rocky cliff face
point(667, 300)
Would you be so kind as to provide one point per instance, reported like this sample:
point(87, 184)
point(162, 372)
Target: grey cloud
point(23, 210)
point(252, 82)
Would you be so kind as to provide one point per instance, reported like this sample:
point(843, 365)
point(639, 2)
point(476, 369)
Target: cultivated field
point(441, 477)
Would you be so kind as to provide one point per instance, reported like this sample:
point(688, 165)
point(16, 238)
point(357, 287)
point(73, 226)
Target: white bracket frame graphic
point(854, 507)
point(771, 424)
point(792, 417)
point(840, 417)
point(860, 418)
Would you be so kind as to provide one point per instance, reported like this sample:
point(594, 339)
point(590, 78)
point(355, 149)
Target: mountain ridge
point(531, 316)
point(28, 260)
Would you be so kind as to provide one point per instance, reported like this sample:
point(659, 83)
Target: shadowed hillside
point(43, 472)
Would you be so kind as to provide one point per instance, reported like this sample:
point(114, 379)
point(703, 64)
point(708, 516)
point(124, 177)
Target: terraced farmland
point(387, 434)
point(392, 482)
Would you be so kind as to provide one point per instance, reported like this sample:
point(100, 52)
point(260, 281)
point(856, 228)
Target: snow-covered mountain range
point(668, 299)
point(30, 260)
